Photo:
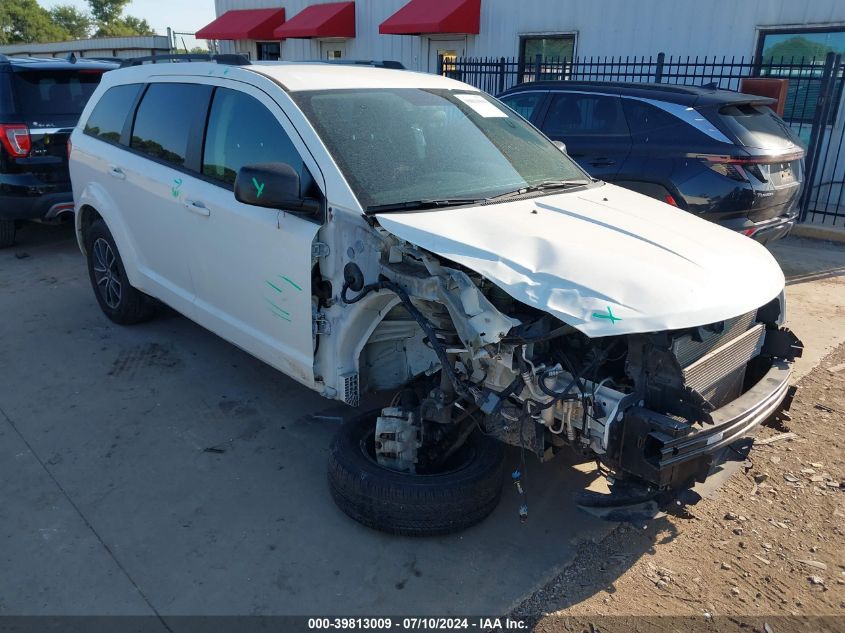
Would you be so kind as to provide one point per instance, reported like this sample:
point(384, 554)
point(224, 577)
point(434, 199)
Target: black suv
point(40, 103)
point(719, 154)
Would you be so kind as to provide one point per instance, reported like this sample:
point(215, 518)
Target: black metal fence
point(813, 104)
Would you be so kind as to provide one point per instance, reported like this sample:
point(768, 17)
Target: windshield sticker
point(609, 316)
point(482, 106)
point(259, 188)
point(174, 189)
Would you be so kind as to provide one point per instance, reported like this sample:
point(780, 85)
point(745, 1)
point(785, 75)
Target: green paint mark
point(275, 307)
point(278, 312)
point(174, 189)
point(259, 188)
point(274, 286)
point(609, 316)
point(295, 285)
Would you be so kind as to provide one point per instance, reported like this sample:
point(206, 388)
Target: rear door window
point(525, 103)
point(165, 120)
point(755, 126)
point(54, 92)
point(574, 114)
point(109, 116)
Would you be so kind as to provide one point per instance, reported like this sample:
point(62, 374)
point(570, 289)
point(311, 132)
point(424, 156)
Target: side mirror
point(560, 145)
point(274, 186)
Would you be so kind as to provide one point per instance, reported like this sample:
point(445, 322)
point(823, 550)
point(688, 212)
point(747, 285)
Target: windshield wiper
point(423, 204)
point(546, 185)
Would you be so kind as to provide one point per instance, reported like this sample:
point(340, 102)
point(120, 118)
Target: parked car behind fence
point(722, 155)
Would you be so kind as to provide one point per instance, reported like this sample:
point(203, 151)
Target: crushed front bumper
point(670, 454)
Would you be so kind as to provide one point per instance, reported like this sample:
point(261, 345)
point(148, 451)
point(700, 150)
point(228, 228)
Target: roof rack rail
point(377, 63)
point(229, 60)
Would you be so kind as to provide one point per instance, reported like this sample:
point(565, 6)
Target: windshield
point(404, 145)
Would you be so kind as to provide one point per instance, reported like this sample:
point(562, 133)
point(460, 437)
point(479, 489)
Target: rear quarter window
point(109, 115)
point(53, 92)
point(651, 124)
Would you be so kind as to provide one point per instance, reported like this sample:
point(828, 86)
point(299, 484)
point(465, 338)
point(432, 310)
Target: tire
point(118, 300)
point(7, 233)
point(407, 504)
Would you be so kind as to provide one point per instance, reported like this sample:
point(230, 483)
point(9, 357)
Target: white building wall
point(602, 27)
point(123, 47)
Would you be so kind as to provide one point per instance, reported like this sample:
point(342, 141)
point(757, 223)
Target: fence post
point(501, 75)
point(658, 71)
point(538, 60)
point(820, 118)
point(440, 65)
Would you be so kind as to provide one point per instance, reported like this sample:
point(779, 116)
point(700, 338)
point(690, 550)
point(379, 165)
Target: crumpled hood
point(604, 260)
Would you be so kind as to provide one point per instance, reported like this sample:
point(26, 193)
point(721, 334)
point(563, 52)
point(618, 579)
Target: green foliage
point(124, 27)
point(107, 11)
point(797, 47)
point(77, 23)
point(24, 21)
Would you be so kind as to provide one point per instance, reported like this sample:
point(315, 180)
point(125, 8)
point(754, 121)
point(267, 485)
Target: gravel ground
point(766, 553)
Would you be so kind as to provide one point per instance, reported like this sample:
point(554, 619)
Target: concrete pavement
point(159, 470)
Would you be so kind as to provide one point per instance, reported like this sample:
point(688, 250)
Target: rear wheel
point(462, 494)
point(118, 300)
point(7, 233)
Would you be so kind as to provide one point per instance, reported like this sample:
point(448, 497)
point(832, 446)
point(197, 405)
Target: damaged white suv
point(371, 230)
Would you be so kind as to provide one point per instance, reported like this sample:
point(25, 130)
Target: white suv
point(371, 230)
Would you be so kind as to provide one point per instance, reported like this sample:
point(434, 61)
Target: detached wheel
point(118, 300)
point(7, 233)
point(466, 491)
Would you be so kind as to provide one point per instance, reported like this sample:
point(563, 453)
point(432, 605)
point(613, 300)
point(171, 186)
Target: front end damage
point(656, 410)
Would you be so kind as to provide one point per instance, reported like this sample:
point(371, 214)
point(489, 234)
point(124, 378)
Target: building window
point(799, 55)
point(550, 47)
point(269, 51)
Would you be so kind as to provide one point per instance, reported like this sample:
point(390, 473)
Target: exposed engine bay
point(462, 355)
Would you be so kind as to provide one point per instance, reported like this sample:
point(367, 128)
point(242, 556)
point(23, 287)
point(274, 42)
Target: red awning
point(245, 24)
point(434, 16)
point(336, 19)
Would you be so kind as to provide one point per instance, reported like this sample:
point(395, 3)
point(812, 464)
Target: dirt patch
point(772, 542)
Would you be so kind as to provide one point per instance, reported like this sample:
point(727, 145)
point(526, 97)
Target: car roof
point(671, 93)
point(299, 76)
point(53, 63)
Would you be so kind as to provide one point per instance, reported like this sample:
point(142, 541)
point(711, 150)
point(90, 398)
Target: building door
point(332, 50)
point(269, 51)
point(450, 49)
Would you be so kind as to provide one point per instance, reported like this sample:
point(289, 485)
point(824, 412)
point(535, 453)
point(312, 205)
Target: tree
point(797, 47)
point(24, 21)
point(125, 27)
point(107, 11)
point(111, 21)
point(76, 22)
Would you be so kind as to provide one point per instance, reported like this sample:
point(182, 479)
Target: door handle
point(602, 162)
point(195, 206)
point(117, 172)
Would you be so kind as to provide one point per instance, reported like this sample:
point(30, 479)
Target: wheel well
point(87, 216)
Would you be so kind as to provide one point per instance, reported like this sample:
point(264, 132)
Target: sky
point(180, 15)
